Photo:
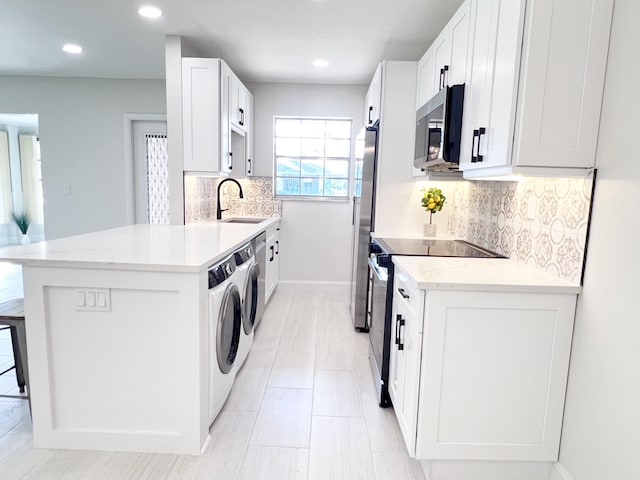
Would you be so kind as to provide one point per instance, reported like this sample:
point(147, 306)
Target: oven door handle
point(379, 272)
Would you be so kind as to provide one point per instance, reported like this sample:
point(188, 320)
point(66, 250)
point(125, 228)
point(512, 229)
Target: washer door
point(251, 299)
point(229, 324)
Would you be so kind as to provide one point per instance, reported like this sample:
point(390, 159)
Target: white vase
point(429, 230)
point(24, 239)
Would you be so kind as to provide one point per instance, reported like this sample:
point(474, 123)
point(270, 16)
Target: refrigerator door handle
point(353, 211)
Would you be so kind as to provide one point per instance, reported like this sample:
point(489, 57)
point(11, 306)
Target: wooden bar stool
point(12, 315)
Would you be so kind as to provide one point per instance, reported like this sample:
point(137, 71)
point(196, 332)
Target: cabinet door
point(404, 371)
point(373, 98)
point(459, 34)
point(273, 261)
point(201, 114)
point(427, 86)
point(493, 89)
point(397, 359)
point(249, 125)
point(562, 77)
point(226, 156)
point(238, 106)
point(408, 407)
point(442, 58)
point(494, 372)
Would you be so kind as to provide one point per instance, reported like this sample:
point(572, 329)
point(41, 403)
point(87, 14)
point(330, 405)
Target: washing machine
point(225, 329)
point(248, 272)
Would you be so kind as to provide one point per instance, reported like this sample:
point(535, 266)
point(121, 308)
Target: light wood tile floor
point(303, 407)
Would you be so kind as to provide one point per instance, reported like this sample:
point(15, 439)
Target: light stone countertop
point(174, 248)
point(481, 274)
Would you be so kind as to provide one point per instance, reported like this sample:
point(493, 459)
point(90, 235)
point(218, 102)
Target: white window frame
point(316, 198)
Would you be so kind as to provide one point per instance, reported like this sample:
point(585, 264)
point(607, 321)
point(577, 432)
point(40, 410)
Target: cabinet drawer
point(407, 294)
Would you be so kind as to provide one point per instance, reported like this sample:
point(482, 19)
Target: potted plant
point(432, 201)
point(22, 221)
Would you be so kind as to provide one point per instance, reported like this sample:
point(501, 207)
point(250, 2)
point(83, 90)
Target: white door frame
point(129, 177)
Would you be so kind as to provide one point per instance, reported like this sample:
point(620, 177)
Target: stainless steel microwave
point(439, 130)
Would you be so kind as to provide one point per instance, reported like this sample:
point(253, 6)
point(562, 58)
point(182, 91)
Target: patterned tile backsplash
point(539, 221)
point(200, 198)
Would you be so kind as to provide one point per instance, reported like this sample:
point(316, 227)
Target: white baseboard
point(486, 470)
point(558, 472)
point(315, 286)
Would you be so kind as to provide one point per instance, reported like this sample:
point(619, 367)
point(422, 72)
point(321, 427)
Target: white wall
point(81, 127)
point(601, 433)
point(315, 237)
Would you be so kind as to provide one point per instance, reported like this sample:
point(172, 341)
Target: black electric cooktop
point(433, 248)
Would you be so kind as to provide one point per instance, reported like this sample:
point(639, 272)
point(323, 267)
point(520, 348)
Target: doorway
point(20, 178)
point(149, 201)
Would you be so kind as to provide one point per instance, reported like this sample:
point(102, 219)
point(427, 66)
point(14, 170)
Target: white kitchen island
point(117, 334)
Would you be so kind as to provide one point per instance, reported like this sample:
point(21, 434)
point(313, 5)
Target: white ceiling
point(262, 40)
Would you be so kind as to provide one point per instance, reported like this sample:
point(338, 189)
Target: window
point(312, 157)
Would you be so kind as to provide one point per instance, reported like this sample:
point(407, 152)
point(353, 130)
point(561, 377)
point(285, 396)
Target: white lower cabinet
point(480, 375)
point(272, 271)
point(404, 361)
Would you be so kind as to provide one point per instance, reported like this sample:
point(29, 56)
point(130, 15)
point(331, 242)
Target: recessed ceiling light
point(71, 48)
point(150, 12)
point(320, 63)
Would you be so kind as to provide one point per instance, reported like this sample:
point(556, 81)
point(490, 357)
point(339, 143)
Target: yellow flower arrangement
point(432, 200)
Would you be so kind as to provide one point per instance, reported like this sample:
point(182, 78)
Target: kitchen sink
point(243, 220)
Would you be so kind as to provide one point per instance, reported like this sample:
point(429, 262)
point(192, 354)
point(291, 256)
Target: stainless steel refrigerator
point(363, 221)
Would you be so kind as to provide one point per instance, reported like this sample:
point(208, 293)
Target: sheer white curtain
point(6, 199)
point(31, 177)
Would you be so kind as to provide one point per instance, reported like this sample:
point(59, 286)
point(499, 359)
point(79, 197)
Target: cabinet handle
point(277, 247)
point(272, 257)
point(230, 160)
point(474, 145)
point(241, 116)
point(443, 76)
point(403, 293)
point(370, 112)
point(399, 324)
point(249, 169)
point(481, 131)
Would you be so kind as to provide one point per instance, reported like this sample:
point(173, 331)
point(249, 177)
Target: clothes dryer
point(248, 272)
point(225, 329)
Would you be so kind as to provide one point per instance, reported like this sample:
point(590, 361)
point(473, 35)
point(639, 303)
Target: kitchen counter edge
point(481, 274)
point(159, 256)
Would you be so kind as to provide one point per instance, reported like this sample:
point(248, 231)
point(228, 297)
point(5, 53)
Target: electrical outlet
point(93, 300)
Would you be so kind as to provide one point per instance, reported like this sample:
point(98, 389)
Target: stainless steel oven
point(377, 307)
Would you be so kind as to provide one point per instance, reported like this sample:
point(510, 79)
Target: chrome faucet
point(220, 210)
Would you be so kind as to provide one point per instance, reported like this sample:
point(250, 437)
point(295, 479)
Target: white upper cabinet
point(536, 81)
point(446, 61)
point(239, 104)
point(249, 125)
point(427, 85)
point(216, 117)
point(201, 114)
point(373, 99)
